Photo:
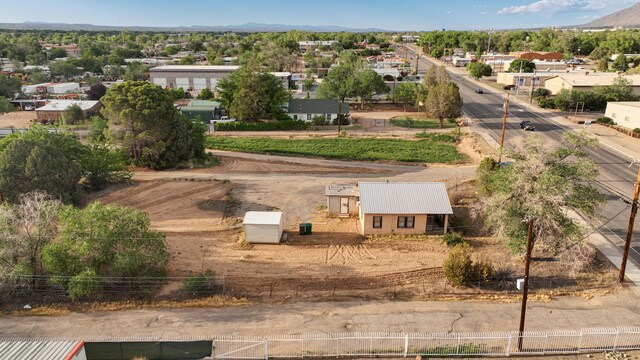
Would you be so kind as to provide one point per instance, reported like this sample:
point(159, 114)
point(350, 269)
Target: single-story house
point(540, 65)
point(587, 81)
point(54, 109)
point(388, 73)
point(403, 208)
point(263, 227)
point(624, 113)
point(342, 200)
point(42, 349)
point(307, 109)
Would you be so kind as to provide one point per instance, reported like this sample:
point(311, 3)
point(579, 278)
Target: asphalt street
point(617, 170)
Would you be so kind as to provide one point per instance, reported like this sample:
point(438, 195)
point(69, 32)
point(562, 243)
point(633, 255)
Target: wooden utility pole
point(339, 111)
point(525, 286)
point(504, 126)
point(632, 219)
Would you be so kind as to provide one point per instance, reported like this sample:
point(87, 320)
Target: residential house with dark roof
point(307, 109)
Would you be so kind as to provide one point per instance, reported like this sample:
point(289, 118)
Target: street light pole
point(525, 286)
point(632, 218)
point(504, 126)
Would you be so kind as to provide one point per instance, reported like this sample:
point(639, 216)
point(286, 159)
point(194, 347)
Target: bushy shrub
point(452, 239)
point(458, 267)
point(319, 120)
point(483, 271)
point(547, 103)
point(605, 120)
point(541, 92)
point(636, 130)
point(344, 120)
point(262, 126)
point(200, 285)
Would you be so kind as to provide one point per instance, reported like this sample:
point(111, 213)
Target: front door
point(344, 206)
point(429, 224)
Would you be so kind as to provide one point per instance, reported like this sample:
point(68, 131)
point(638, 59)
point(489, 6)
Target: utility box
point(520, 284)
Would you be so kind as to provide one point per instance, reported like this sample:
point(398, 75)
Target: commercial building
point(54, 109)
point(526, 79)
point(263, 227)
point(199, 77)
point(63, 88)
point(539, 55)
point(190, 77)
point(403, 208)
point(587, 81)
point(307, 109)
point(624, 113)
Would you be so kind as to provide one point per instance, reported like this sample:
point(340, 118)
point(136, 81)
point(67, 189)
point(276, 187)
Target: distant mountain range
point(629, 17)
point(248, 27)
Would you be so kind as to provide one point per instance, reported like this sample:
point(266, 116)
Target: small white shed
point(263, 227)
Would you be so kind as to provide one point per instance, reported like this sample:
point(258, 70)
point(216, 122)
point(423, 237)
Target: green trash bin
point(303, 229)
point(308, 228)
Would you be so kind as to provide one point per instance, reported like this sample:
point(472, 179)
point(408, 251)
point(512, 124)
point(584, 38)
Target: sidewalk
point(624, 145)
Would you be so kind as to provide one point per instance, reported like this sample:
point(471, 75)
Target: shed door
point(344, 205)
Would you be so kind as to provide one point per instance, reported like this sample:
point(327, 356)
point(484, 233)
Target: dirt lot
point(17, 119)
point(200, 211)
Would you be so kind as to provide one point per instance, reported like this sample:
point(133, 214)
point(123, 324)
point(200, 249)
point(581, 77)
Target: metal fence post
point(266, 349)
point(337, 347)
point(615, 342)
point(406, 345)
point(509, 345)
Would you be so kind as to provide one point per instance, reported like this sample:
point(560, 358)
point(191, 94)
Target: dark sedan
point(527, 126)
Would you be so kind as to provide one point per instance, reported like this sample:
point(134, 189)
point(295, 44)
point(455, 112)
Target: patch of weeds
point(230, 206)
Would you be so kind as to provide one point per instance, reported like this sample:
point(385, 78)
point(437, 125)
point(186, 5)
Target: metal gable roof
point(41, 350)
point(404, 198)
point(316, 106)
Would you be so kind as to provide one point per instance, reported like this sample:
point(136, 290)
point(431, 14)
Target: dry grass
point(217, 301)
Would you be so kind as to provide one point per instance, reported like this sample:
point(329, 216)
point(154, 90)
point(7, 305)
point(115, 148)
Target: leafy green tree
point(144, 122)
point(135, 71)
point(369, 85)
point(188, 60)
point(57, 52)
point(5, 106)
point(176, 94)
point(25, 228)
point(102, 165)
point(98, 130)
point(525, 65)
point(104, 241)
point(478, 70)
point(37, 77)
point(252, 95)
point(406, 93)
point(620, 63)
point(444, 102)
point(64, 68)
point(27, 165)
point(542, 183)
point(73, 114)
point(206, 94)
point(96, 92)
point(9, 86)
point(340, 83)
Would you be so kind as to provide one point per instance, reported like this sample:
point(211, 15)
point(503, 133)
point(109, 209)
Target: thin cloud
point(554, 6)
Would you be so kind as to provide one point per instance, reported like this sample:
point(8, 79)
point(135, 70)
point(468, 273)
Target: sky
point(418, 15)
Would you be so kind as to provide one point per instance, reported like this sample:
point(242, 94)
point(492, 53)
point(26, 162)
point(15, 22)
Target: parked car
point(29, 108)
point(527, 125)
point(479, 91)
point(508, 87)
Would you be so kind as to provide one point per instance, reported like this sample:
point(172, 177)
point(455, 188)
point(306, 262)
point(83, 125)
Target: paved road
point(617, 170)
point(619, 309)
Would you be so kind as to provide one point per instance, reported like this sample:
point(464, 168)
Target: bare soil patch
point(17, 119)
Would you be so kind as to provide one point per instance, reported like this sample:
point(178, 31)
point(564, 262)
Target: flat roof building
point(624, 113)
point(56, 108)
point(587, 81)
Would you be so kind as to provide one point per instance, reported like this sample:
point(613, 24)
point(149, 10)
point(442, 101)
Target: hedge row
point(261, 126)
